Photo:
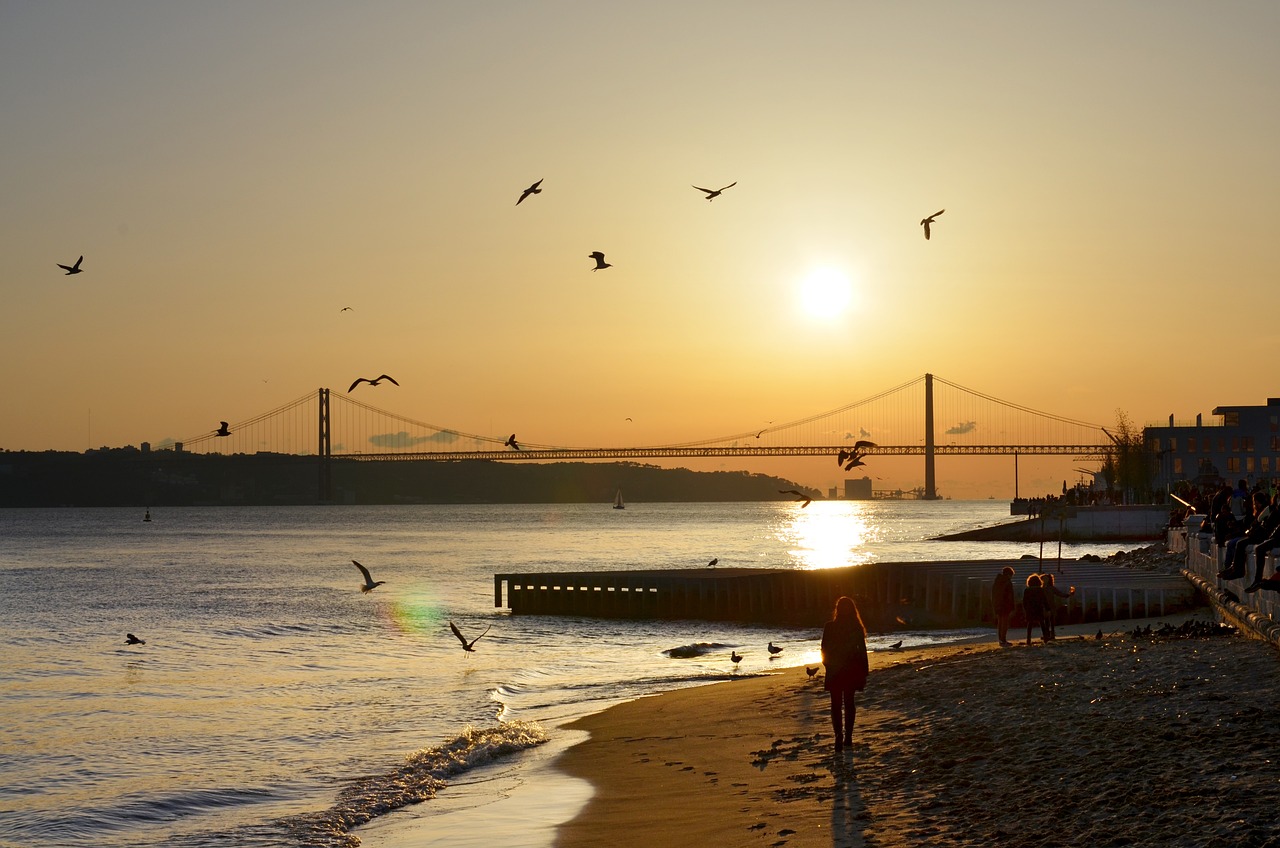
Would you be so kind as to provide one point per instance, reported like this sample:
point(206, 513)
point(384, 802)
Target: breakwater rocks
point(1155, 558)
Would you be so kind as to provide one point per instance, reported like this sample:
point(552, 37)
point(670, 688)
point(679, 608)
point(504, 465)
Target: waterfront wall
point(891, 596)
point(1077, 524)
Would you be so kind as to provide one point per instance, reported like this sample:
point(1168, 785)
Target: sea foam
point(422, 774)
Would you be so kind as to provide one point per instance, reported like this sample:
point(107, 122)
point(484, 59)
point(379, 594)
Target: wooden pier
point(890, 595)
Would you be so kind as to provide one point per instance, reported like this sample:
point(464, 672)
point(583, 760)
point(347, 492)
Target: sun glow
point(825, 293)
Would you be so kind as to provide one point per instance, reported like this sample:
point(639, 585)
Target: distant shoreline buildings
point(1242, 443)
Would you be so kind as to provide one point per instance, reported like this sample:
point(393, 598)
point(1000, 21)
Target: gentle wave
point(685, 652)
point(422, 775)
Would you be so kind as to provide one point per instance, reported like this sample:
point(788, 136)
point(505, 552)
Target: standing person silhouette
point(1002, 601)
point(844, 653)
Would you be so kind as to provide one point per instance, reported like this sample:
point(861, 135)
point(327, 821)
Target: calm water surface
point(269, 684)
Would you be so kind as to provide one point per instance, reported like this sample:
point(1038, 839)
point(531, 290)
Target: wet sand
point(1124, 741)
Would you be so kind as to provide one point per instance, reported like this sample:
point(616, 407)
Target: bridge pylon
point(324, 450)
point(930, 486)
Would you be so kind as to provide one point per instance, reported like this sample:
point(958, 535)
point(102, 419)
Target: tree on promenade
point(1129, 465)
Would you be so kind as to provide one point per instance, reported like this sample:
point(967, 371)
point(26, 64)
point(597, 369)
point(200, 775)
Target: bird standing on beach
point(511, 442)
point(222, 429)
point(925, 222)
point(812, 671)
point(713, 193)
point(735, 657)
point(369, 583)
point(72, 269)
point(774, 650)
point(533, 189)
point(713, 562)
point(800, 496)
point(130, 639)
point(467, 646)
point(375, 381)
point(896, 646)
point(599, 258)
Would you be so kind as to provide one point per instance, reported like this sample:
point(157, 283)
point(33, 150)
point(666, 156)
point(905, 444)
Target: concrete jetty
point(890, 595)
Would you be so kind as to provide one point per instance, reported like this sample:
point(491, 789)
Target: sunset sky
point(236, 173)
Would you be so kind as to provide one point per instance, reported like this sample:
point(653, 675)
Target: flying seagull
point(533, 189)
point(599, 258)
point(222, 430)
point(467, 646)
point(774, 650)
point(511, 442)
point(925, 222)
point(130, 639)
point(72, 269)
point(375, 381)
point(799, 496)
point(712, 194)
point(346, 309)
point(369, 583)
point(850, 458)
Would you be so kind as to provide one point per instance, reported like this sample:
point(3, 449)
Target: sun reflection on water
point(830, 534)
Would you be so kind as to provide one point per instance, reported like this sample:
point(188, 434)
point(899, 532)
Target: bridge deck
point(890, 595)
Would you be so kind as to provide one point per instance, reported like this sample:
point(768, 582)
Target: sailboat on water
point(617, 501)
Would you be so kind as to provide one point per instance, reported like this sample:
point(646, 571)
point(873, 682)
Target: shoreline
point(1120, 741)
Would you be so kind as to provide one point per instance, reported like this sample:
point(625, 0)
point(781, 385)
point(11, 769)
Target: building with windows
point(1242, 442)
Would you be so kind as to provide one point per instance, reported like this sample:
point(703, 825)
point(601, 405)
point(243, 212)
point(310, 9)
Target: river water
point(274, 704)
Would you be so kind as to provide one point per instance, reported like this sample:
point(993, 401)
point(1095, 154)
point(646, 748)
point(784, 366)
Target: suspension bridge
point(928, 416)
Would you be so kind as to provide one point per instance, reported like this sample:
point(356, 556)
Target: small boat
point(617, 501)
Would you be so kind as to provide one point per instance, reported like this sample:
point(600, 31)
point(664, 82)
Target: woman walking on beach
point(1002, 603)
point(844, 653)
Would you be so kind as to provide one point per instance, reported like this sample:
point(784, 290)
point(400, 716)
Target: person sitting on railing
point(1258, 528)
point(1220, 520)
point(1268, 544)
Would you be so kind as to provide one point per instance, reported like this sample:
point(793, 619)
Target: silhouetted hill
point(131, 477)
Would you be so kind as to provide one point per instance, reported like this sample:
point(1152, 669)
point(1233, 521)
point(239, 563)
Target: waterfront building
point(1240, 442)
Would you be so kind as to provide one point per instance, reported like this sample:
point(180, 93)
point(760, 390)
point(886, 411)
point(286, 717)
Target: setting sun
point(825, 293)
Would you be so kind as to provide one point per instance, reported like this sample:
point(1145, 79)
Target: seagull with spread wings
point(467, 646)
point(925, 222)
point(222, 429)
point(800, 496)
point(375, 381)
point(511, 442)
point(599, 258)
point(713, 193)
point(72, 269)
point(369, 583)
point(533, 189)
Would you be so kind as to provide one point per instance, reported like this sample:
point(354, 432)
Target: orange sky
point(236, 173)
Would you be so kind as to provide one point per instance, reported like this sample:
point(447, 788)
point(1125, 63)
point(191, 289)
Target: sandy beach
point(1121, 741)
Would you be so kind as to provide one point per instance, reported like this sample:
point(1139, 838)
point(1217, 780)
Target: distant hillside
point(129, 477)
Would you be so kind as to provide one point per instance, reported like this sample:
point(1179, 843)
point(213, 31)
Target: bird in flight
point(346, 309)
point(369, 583)
point(852, 458)
point(712, 194)
point(533, 189)
point(375, 381)
point(511, 442)
point(467, 646)
point(130, 639)
point(774, 649)
point(222, 430)
point(800, 496)
point(925, 222)
point(599, 258)
point(72, 269)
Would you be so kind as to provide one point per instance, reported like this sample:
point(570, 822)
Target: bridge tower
point(930, 486)
point(324, 451)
